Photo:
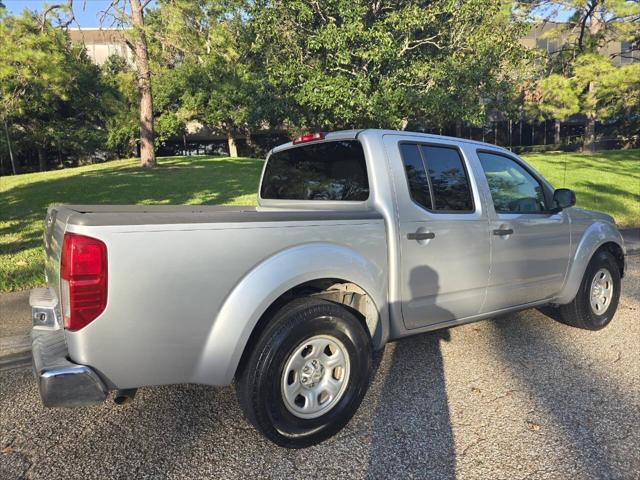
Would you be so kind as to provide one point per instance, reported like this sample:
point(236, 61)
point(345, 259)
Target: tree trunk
point(590, 133)
point(13, 163)
point(42, 159)
point(231, 141)
point(520, 133)
point(533, 133)
point(147, 152)
point(556, 132)
point(590, 127)
point(459, 129)
point(510, 134)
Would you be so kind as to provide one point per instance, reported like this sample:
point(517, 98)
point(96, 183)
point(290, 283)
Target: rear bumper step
point(61, 382)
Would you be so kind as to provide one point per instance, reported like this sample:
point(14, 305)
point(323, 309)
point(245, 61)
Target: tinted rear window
point(448, 179)
point(320, 171)
point(445, 188)
point(416, 175)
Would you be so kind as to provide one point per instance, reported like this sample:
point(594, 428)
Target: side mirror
point(563, 198)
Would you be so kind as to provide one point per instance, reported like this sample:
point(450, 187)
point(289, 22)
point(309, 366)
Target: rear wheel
point(597, 299)
point(307, 374)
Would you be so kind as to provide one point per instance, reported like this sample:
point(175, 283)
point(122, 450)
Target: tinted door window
point(449, 182)
point(513, 189)
point(445, 188)
point(320, 171)
point(416, 174)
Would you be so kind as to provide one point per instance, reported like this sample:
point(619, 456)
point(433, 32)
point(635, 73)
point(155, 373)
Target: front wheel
point(597, 299)
point(307, 374)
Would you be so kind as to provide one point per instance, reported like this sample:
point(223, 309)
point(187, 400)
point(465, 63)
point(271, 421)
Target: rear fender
point(270, 279)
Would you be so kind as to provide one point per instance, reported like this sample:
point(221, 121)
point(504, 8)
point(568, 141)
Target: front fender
point(594, 236)
point(270, 279)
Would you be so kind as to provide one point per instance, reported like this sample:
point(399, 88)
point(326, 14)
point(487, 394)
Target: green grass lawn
point(177, 180)
point(609, 182)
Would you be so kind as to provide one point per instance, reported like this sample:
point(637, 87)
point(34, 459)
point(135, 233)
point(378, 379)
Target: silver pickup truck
point(360, 238)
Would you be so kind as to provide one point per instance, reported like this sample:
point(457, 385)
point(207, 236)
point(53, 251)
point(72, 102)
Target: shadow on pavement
point(592, 413)
point(412, 434)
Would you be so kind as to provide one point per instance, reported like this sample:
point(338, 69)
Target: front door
point(529, 245)
point(444, 240)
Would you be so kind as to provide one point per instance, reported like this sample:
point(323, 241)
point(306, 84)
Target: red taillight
point(309, 137)
point(83, 280)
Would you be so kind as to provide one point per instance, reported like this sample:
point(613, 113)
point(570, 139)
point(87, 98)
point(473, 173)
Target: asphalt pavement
point(15, 327)
point(515, 397)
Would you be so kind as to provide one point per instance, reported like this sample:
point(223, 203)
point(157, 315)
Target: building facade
point(101, 43)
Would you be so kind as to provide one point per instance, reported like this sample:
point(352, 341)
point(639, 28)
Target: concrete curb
point(631, 237)
point(15, 351)
point(15, 329)
point(15, 360)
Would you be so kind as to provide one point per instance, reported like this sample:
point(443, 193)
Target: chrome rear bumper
point(62, 383)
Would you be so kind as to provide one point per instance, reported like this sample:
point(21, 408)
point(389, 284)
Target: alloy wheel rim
point(315, 376)
point(601, 291)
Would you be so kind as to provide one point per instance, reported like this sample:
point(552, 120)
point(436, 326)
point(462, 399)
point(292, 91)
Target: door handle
point(503, 231)
point(421, 235)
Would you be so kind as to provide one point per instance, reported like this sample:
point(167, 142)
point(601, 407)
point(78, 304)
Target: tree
point(553, 97)
point(594, 87)
point(131, 18)
point(50, 93)
point(396, 64)
point(618, 98)
point(122, 103)
point(591, 26)
point(205, 71)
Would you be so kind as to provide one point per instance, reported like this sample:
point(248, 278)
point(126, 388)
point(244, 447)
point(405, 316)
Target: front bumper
point(61, 382)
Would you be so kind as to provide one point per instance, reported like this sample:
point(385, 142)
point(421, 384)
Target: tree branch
point(583, 23)
point(56, 6)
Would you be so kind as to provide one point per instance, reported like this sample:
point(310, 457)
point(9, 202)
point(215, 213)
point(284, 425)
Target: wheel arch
point(598, 236)
point(329, 271)
point(337, 290)
point(617, 252)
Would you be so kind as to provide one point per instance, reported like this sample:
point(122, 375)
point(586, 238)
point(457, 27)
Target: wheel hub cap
point(312, 373)
point(601, 291)
point(315, 376)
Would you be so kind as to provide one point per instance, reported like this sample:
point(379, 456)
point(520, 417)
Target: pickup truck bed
point(105, 215)
point(180, 263)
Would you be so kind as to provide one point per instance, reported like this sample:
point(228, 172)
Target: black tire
point(579, 313)
point(259, 384)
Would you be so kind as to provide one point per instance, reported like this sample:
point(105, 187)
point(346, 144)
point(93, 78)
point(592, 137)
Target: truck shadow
point(411, 432)
point(590, 410)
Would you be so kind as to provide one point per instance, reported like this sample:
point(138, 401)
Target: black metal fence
point(519, 136)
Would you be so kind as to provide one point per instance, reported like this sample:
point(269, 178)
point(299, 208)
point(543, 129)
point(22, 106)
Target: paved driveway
point(515, 397)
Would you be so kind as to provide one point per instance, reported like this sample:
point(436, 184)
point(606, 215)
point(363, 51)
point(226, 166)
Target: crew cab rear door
point(443, 230)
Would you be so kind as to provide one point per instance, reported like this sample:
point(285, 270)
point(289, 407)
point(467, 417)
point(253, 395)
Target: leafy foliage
point(122, 123)
point(579, 79)
point(202, 68)
point(346, 63)
point(50, 92)
point(594, 86)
